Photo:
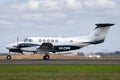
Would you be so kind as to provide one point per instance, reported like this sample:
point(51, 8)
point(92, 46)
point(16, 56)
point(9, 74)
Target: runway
point(50, 62)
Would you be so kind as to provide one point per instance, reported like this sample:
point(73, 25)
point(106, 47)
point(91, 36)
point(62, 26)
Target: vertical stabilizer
point(100, 32)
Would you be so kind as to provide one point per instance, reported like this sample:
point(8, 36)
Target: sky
point(54, 18)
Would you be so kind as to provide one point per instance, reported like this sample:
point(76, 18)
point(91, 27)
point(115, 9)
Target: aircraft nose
point(8, 46)
point(11, 46)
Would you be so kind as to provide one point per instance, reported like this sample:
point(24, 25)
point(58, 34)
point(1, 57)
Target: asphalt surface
point(47, 62)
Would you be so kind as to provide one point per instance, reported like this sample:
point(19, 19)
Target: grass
point(60, 72)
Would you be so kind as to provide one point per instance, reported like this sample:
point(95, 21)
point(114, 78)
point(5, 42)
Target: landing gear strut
point(9, 56)
point(46, 57)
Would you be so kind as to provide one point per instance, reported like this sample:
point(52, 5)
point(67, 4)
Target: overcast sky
point(53, 18)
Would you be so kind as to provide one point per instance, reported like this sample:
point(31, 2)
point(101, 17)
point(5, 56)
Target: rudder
point(100, 32)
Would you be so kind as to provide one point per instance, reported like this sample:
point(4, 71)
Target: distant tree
point(80, 54)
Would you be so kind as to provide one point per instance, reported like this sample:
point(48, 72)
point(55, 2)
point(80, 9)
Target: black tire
point(8, 57)
point(46, 57)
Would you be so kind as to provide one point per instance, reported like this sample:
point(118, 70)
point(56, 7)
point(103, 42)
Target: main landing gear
point(46, 57)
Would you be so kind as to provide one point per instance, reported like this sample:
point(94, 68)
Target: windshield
point(26, 40)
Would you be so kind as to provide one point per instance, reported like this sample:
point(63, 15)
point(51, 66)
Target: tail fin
point(100, 32)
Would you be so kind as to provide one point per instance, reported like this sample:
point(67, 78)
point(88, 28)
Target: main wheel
point(46, 57)
point(8, 57)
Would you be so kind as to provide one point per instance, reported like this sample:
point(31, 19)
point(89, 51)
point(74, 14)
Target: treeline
point(108, 54)
point(102, 54)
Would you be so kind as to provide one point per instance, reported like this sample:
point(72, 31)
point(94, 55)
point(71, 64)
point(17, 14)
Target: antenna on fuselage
point(17, 40)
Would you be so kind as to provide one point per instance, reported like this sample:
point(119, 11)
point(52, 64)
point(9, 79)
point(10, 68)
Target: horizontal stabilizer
point(104, 25)
point(100, 32)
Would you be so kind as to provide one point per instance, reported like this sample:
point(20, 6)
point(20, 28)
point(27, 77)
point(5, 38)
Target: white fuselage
point(62, 44)
point(57, 44)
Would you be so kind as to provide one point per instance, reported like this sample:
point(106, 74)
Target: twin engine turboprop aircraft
point(44, 45)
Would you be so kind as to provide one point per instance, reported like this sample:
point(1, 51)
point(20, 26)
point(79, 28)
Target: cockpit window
point(30, 40)
point(71, 41)
point(26, 40)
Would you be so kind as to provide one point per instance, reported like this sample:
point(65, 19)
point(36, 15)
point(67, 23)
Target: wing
point(45, 48)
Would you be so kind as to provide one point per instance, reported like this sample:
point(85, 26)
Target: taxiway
point(50, 62)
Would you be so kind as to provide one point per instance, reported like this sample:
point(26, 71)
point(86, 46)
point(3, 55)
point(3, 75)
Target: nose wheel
point(9, 57)
point(46, 57)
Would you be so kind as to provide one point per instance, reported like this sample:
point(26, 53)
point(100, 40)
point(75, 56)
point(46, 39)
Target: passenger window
point(56, 40)
point(48, 40)
point(44, 40)
point(40, 40)
point(52, 40)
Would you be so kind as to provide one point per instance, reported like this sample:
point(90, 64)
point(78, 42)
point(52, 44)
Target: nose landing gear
point(9, 57)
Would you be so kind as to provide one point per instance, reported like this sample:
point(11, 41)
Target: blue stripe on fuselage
point(59, 48)
point(23, 45)
point(95, 42)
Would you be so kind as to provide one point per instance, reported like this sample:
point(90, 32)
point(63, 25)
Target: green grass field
point(60, 72)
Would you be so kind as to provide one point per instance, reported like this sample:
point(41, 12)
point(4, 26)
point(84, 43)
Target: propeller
point(17, 43)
